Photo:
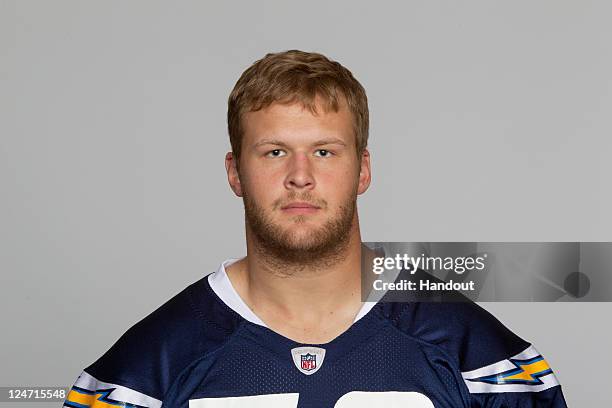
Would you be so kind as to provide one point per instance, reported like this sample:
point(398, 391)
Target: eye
point(276, 153)
point(323, 153)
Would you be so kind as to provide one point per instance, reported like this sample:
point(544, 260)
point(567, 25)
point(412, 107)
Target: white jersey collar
point(223, 288)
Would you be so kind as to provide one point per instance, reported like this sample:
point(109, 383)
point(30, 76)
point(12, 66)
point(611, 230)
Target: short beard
point(319, 249)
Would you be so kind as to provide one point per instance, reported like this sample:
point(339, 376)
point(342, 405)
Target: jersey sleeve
point(499, 369)
point(138, 369)
point(523, 380)
point(88, 391)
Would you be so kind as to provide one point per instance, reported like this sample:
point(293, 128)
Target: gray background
point(490, 122)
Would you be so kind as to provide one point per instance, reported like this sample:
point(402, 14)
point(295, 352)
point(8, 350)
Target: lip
point(300, 208)
point(299, 205)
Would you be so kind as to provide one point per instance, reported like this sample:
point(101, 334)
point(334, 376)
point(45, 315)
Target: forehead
point(295, 122)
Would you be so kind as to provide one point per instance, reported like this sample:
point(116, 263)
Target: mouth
point(300, 208)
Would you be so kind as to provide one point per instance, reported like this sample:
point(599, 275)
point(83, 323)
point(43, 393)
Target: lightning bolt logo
point(82, 398)
point(527, 372)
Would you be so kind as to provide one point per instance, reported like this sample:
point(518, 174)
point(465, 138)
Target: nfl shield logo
point(308, 359)
point(309, 362)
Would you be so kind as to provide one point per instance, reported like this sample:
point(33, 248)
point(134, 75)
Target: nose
point(300, 173)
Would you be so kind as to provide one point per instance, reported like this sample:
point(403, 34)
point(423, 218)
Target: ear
point(365, 173)
point(233, 177)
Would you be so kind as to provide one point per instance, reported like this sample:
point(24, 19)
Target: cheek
point(340, 184)
point(262, 182)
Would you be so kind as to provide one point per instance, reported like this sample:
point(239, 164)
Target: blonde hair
point(297, 76)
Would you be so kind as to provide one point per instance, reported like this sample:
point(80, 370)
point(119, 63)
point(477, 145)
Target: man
point(285, 326)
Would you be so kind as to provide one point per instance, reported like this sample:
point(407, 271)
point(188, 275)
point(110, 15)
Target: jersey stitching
point(200, 313)
point(218, 349)
point(451, 361)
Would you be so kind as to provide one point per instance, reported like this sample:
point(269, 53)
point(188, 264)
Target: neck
point(322, 296)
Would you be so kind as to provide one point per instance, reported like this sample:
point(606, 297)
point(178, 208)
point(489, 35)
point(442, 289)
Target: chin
point(303, 231)
point(299, 223)
point(304, 246)
point(303, 236)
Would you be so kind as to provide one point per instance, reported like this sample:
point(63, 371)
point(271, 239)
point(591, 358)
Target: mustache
point(303, 197)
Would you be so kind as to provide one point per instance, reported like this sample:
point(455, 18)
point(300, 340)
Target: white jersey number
point(354, 399)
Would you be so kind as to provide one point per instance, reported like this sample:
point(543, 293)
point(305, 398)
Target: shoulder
point(495, 363)
point(463, 329)
point(142, 364)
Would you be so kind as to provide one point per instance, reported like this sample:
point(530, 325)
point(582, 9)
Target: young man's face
point(299, 177)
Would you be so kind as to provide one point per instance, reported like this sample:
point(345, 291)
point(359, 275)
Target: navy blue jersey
point(205, 348)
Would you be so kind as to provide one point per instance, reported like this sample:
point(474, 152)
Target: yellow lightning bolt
point(529, 371)
point(90, 400)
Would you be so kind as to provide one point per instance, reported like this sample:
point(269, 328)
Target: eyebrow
point(321, 142)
